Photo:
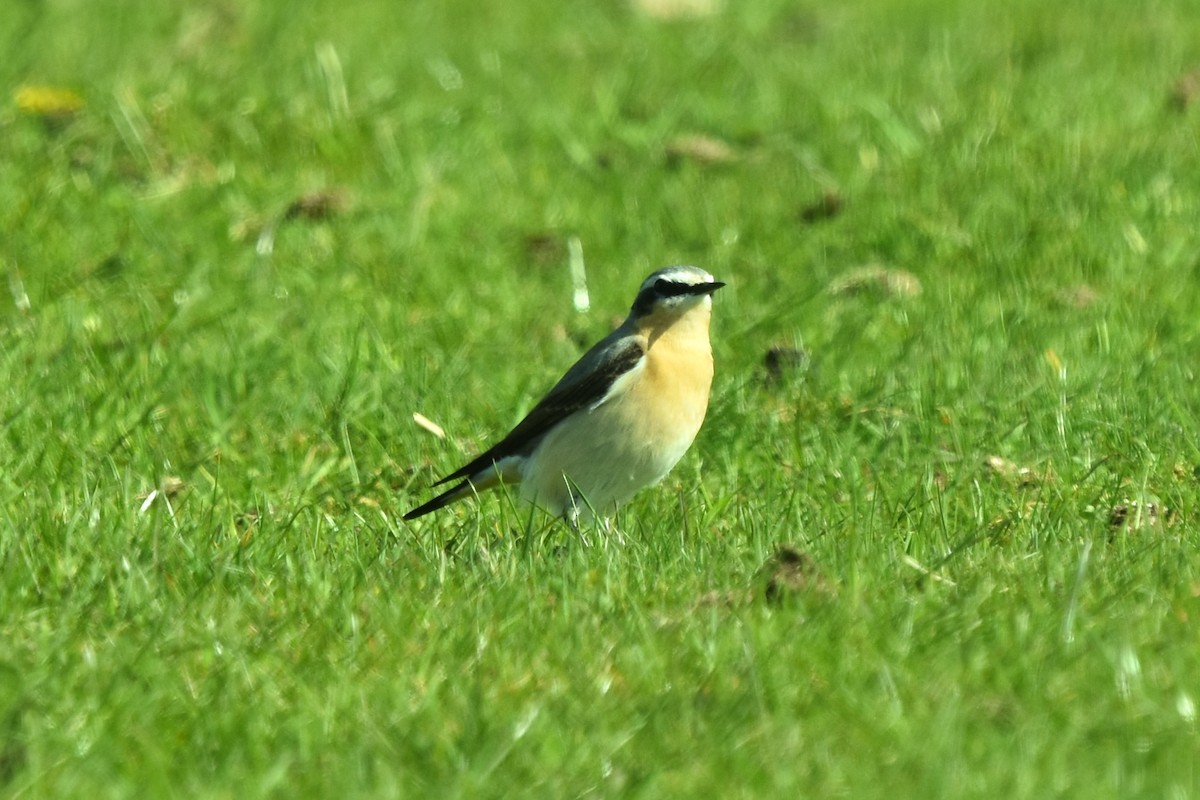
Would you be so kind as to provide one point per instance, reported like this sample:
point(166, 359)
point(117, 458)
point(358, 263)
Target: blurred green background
point(245, 242)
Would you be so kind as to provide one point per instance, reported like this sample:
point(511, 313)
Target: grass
point(207, 443)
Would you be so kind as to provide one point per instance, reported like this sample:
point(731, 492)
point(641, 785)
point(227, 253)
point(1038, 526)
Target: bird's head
point(674, 291)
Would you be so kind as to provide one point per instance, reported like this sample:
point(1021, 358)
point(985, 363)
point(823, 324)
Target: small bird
point(618, 420)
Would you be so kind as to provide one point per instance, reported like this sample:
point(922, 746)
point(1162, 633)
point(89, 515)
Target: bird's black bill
point(707, 288)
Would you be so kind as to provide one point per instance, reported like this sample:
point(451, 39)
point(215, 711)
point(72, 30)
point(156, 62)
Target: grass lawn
point(243, 243)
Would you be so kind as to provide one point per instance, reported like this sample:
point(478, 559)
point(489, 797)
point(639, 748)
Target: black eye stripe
point(673, 289)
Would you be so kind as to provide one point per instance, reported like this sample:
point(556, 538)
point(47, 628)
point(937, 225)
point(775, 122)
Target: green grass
point(269, 626)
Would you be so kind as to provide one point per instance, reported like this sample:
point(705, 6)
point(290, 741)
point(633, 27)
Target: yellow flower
point(48, 101)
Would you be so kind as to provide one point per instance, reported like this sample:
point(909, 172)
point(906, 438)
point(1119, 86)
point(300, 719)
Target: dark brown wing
point(584, 385)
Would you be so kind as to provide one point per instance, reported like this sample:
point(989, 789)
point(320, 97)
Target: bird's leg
point(571, 517)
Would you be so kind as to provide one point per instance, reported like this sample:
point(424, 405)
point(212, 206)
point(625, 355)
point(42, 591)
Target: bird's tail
point(494, 475)
point(447, 497)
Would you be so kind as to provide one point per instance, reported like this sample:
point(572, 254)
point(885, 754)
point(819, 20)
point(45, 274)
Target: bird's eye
point(662, 287)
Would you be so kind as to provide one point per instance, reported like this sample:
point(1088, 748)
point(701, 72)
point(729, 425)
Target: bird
point(618, 420)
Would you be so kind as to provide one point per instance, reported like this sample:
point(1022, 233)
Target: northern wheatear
point(618, 420)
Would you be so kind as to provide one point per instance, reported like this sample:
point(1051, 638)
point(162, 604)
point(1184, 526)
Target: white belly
point(598, 459)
